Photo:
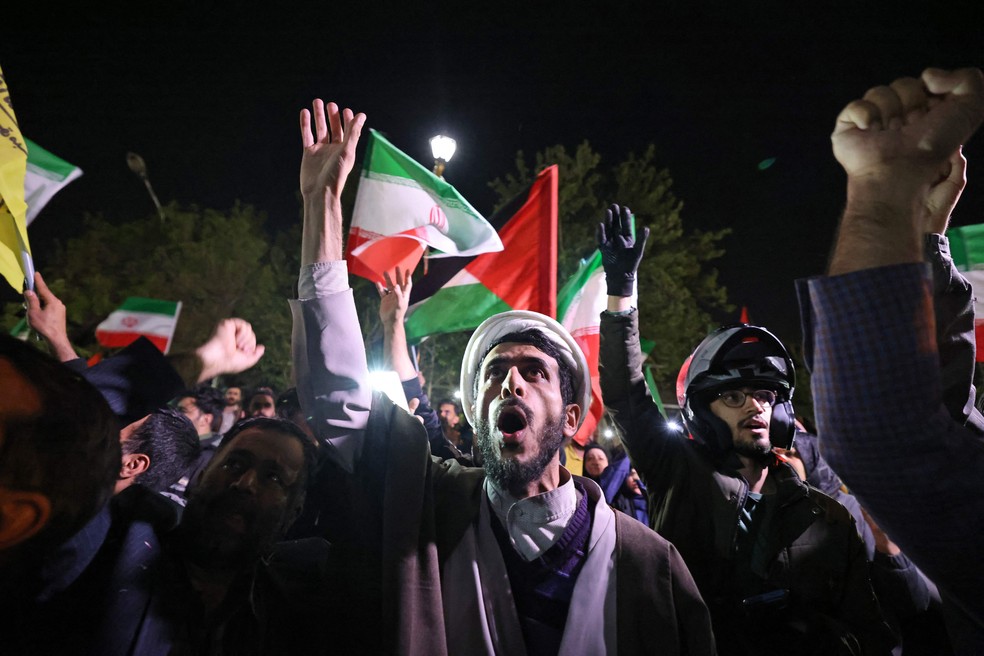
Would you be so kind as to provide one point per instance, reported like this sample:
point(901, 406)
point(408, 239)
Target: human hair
point(210, 401)
point(534, 337)
point(69, 452)
point(448, 401)
point(279, 425)
point(171, 442)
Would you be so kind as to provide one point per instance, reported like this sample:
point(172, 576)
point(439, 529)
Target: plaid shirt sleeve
point(871, 343)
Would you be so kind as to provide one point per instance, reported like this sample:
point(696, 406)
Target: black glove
point(620, 252)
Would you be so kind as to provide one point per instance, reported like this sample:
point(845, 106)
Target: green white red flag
point(46, 175)
point(967, 251)
point(140, 317)
point(401, 208)
point(580, 303)
point(459, 293)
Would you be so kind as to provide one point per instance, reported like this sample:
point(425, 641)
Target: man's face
point(749, 424)
point(448, 414)
point(261, 405)
point(248, 497)
point(233, 396)
point(632, 482)
point(201, 420)
point(520, 415)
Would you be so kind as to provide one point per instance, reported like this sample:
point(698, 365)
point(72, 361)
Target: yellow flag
point(13, 209)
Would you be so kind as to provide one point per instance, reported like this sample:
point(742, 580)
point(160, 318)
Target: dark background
point(208, 94)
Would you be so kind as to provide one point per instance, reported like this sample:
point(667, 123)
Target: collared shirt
point(534, 524)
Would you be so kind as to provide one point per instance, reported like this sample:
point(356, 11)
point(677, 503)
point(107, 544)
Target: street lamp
point(443, 149)
point(139, 167)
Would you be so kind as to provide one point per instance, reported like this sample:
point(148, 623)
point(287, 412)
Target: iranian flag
point(579, 306)
point(45, 177)
point(140, 317)
point(458, 293)
point(401, 208)
point(967, 250)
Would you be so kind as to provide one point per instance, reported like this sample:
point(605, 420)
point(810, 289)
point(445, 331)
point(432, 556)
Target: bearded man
point(521, 557)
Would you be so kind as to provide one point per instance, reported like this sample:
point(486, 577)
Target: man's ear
point(573, 414)
point(134, 464)
point(22, 515)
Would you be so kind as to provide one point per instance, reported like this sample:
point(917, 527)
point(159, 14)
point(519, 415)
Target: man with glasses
point(780, 565)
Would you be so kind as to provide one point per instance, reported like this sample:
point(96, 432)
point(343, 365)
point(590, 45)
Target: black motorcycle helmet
point(733, 356)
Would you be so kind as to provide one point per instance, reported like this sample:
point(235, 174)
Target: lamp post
point(442, 148)
point(139, 167)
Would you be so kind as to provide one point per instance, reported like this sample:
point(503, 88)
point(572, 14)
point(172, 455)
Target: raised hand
point(620, 252)
point(46, 314)
point(329, 150)
point(329, 155)
point(394, 297)
point(911, 123)
point(232, 348)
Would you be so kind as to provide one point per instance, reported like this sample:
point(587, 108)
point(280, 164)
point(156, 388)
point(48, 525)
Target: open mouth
point(511, 423)
point(755, 423)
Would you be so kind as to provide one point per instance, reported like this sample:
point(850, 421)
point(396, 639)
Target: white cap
point(517, 321)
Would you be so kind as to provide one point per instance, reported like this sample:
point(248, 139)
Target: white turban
point(517, 321)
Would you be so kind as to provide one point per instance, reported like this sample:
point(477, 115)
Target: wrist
point(63, 350)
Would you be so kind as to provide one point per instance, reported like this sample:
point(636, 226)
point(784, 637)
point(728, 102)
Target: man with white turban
point(521, 557)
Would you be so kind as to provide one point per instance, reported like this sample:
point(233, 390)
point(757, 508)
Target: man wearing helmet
point(779, 564)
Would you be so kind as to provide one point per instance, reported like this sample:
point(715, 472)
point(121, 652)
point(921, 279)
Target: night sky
point(209, 96)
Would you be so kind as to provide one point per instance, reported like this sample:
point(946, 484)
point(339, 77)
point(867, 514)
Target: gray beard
point(511, 475)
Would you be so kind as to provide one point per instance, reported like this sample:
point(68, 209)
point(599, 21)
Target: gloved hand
point(620, 252)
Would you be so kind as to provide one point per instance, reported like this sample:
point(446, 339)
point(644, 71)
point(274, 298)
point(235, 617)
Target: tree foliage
point(678, 289)
point(218, 264)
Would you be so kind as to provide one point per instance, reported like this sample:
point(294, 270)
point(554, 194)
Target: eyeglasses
point(736, 398)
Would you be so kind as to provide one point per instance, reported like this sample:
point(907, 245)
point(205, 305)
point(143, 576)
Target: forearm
point(625, 393)
point(321, 239)
point(62, 349)
point(396, 350)
point(882, 223)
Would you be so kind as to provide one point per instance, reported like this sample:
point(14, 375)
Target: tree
point(218, 264)
point(679, 291)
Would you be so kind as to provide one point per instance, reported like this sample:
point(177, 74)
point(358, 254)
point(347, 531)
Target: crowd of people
point(143, 510)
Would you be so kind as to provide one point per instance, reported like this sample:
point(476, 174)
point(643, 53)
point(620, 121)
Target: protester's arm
point(329, 357)
point(231, 349)
point(394, 299)
point(623, 385)
point(877, 381)
point(894, 145)
point(46, 315)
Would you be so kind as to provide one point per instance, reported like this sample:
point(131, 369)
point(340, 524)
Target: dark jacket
point(812, 545)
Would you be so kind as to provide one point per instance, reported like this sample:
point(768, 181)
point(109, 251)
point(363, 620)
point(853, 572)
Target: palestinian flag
point(967, 250)
point(459, 293)
point(45, 177)
point(579, 306)
point(401, 208)
point(140, 317)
